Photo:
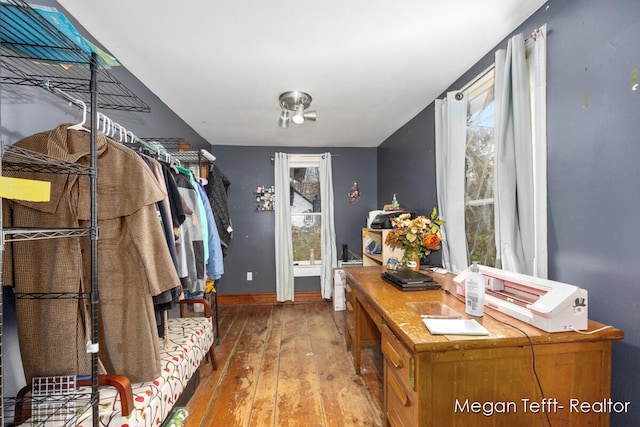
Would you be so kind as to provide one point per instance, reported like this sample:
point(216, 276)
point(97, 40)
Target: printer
point(383, 220)
point(546, 304)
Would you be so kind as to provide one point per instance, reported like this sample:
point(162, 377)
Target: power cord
point(533, 353)
point(591, 332)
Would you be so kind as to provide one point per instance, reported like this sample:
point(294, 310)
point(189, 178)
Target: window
point(306, 221)
point(479, 221)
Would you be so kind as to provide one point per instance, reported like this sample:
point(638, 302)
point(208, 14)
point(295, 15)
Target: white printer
point(545, 304)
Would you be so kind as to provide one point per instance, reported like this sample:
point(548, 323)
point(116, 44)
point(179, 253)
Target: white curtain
point(284, 246)
point(537, 61)
point(451, 137)
point(328, 233)
point(520, 156)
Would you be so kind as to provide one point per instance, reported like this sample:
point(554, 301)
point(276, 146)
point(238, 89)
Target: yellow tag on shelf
point(29, 190)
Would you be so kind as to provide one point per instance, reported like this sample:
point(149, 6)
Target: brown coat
point(133, 262)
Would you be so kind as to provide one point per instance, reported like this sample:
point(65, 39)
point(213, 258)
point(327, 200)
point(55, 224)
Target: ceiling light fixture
point(294, 105)
point(285, 117)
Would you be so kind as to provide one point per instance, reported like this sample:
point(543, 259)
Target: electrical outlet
point(249, 275)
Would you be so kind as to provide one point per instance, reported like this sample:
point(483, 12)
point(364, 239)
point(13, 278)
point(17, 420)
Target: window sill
point(306, 270)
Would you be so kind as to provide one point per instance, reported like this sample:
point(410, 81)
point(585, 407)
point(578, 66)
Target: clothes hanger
point(117, 127)
point(80, 126)
point(105, 122)
point(122, 132)
point(108, 124)
point(101, 121)
point(133, 137)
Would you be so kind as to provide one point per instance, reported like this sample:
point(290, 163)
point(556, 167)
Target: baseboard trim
point(267, 298)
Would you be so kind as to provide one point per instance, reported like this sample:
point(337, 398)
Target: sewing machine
point(545, 304)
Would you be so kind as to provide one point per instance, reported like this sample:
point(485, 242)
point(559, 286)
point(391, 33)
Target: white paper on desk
point(455, 327)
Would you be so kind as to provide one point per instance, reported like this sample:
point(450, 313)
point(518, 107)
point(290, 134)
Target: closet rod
point(179, 148)
point(62, 94)
point(110, 127)
point(207, 155)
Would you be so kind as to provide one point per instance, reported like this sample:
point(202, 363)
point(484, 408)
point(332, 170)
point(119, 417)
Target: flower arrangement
point(418, 236)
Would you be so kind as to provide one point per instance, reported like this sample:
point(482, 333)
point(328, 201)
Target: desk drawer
point(400, 404)
point(398, 358)
point(373, 314)
point(348, 294)
point(350, 321)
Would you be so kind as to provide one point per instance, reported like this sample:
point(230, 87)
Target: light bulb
point(298, 117)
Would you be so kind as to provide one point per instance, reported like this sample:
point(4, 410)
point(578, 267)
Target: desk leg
point(357, 339)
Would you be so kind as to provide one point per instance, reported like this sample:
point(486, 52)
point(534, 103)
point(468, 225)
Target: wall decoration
point(265, 198)
point(354, 194)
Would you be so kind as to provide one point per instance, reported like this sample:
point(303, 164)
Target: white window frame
point(304, 268)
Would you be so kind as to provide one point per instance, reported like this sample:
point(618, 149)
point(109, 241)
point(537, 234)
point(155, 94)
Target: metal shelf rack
point(176, 148)
point(20, 159)
point(34, 52)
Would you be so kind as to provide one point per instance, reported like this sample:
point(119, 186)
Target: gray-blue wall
point(593, 174)
point(252, 247)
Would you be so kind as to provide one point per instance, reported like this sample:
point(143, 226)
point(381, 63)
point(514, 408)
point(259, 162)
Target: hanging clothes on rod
point(134, 263)
point(168, 299)
point(113, 130)
point(208, 226)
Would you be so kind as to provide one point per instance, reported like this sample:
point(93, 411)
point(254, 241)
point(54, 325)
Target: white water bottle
point(474, 289)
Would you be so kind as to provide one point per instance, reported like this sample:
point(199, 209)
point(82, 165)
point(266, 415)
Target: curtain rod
point(478, 78)
point(490, 68)
point(272, 157)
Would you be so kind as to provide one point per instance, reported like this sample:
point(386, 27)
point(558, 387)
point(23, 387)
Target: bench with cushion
point(189, 342)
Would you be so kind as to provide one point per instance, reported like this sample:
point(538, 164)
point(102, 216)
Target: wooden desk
point(435, 380)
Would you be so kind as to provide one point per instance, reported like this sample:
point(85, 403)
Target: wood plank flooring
point(286, 365)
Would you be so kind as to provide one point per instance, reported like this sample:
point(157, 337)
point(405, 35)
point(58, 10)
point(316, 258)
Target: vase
point(412, 260)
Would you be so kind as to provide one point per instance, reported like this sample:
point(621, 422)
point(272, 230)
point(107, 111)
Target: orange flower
point(431, 241)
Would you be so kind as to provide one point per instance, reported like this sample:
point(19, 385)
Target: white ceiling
point(370, 65)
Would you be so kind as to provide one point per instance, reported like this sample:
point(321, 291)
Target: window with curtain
point(479, 168)
point(496, 173)
point(306, 215)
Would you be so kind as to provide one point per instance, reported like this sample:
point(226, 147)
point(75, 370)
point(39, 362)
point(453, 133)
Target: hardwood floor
point(286, 365)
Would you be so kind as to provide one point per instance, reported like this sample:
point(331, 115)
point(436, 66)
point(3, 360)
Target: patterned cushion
point(189, 341)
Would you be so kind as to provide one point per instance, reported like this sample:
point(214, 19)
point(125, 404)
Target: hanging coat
point(133, 262)
point(190, 244)
point(217, 193)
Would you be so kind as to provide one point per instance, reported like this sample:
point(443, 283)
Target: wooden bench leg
point(207, 312)
point(212, 357)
